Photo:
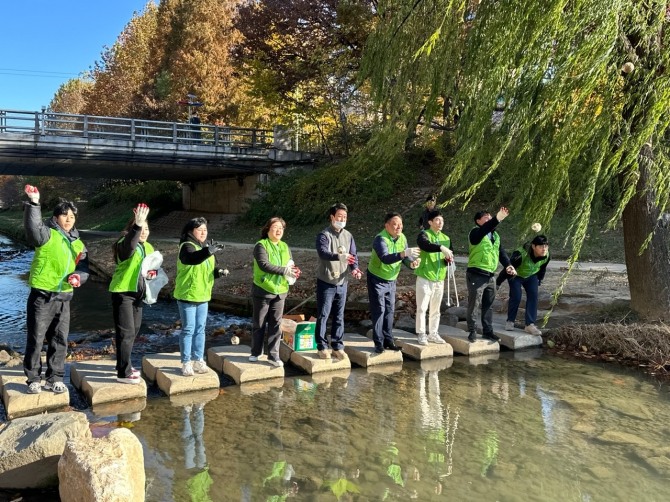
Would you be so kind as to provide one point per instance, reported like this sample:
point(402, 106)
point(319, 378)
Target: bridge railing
point(130, 129)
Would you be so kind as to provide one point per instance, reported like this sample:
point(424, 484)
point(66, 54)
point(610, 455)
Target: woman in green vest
point(530, 262)
point(196, 270)
point(128, 288)
point(273, 272)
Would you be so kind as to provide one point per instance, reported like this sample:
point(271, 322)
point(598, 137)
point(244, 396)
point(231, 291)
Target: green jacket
point(53, 263)
point(278, 255)
point(433, 266)
point(194, 283)
point(528, 267)
point(387, 271)
point(127, 272)
point(486, 254)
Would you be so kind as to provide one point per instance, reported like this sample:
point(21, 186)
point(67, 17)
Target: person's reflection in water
point(194, 447)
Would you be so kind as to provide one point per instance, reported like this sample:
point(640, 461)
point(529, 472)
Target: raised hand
point(502, 213)
point(33, 193)
point(141, 214)
point(214, 247)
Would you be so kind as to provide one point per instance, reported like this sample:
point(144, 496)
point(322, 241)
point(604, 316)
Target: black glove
point(214, 247)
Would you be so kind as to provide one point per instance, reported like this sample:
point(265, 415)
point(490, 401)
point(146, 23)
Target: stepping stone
point(329, 377)
point(17, 401)
point(236, 364)
point(165, 369)
point(96, 380)
point(517, 339)
point(458, 339)
point(261, 386)
point(310, 362)
point(361, 351)
point(194, 398)
point(385, 369)
point(411, 348)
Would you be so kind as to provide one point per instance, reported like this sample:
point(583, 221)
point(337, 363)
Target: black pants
point(267, 312)
point(127, 312)
point(482, 290)
point(50, 319)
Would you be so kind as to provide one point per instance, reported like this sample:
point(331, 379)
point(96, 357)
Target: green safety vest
point(127, 272)
point(382, 270)
point(486, 254)
point(279, 255)
point(54, 262)
point(528, 267)
point(194, 283)
point(433, 266)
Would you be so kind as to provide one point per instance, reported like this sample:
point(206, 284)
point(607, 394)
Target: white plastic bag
point(153, 261)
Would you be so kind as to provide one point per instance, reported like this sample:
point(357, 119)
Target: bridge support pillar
point(228, 196)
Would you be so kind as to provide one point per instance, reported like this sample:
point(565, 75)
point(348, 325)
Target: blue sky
point(44, 43)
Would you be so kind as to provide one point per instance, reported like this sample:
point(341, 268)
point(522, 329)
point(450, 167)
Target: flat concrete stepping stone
point(96, 380)
point(237, 366)
point(166, 371)
point(517, 339)
point(458, 339)
point(361, 351)
point(121, 409)
point(310, 362)
point(411, 348)
point(17, 401)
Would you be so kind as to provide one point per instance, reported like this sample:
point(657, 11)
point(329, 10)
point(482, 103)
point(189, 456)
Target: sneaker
point(132, 379)
point(472, 337)
point(435, 339)
point(491, 336)
point(200, 367)
point(509, 325)
point(323, 354)
point(532, 329)
point(187, 369)
point(34, 388)
point(423, 340)
point(134, 371)
point(276, 364)
point(55, 387)
point(253, 359)
point(339, 354)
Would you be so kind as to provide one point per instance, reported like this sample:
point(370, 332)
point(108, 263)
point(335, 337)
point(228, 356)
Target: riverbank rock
point(30, 448)
point(108, 469)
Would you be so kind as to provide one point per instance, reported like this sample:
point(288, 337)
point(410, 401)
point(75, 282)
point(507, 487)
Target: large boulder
point(30, 447)
point(108, 469)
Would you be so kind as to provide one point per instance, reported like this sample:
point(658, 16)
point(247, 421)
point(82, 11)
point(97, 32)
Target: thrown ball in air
point(235, 340)
point(536, 227)
point(627, 67)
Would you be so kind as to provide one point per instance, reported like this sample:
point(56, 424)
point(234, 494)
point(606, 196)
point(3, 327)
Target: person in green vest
point(389, 251)
point(274, 271)
point(530, 262)
point(197, 268)
point(435, 255)
point(60, 264)
point(128, 287)
point(485, 251)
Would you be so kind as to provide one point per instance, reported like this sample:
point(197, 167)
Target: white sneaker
point(509, 325)
point(200, 367)
point(435, 339)
point(35, 388)
point(276, 364)
point(532, 329)
point(132, 379)
point(187, 369)
point(423, 340)
point(253, 359)
point(56, 387)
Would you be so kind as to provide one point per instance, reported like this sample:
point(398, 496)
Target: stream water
point(517, 426)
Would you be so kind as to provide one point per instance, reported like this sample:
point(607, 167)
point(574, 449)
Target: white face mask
point(339, 224)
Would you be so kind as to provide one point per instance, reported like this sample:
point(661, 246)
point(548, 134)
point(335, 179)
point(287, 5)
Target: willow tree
point(560, 100)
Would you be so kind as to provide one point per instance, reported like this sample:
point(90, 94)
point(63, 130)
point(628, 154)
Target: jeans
point(50, 319)
point(194, 445)
point(531, 285)
point(428, 299)
point(481, 289)
point(330, 298)
point(267, 311)
point(192, 336)
point(127, 312)
point(381, 294)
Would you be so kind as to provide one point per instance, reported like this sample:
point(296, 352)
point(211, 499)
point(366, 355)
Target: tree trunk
point(649, 272)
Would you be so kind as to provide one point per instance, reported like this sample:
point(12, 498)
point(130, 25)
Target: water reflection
point(542, 429)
